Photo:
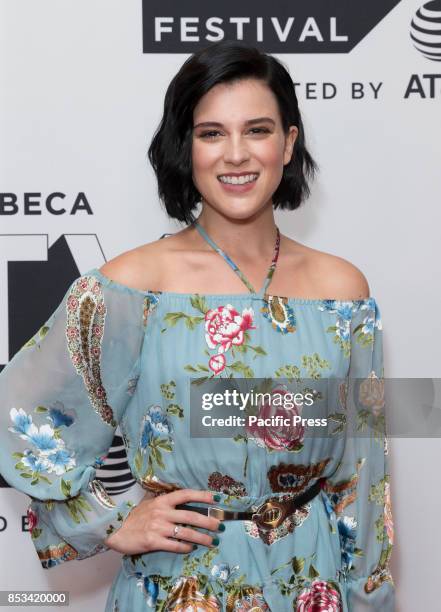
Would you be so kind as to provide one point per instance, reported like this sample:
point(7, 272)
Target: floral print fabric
point(112, 356)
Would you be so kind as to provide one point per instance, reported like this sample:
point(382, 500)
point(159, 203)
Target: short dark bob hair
point(170, 150)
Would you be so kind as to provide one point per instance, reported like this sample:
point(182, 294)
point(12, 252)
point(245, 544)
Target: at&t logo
point(425, 30)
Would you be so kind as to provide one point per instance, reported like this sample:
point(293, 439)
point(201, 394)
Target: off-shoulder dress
point(112, 356)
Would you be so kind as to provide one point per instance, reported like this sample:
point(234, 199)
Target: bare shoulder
point(169, 261)
point(147, 266)
point(331, 276)
point(138, 268)
point(338, 278)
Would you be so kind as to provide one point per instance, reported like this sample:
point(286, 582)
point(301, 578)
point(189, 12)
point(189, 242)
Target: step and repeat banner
point(82, 88)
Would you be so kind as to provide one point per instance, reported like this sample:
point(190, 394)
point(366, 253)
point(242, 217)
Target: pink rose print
point(319, 596)
point(216, 363)
point(225, 326)
point(279, 437)
point(32, 519)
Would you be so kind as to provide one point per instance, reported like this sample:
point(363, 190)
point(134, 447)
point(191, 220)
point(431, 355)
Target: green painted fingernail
point(221, 527)
point(215, 541)
point(195, 546)
point(216, 497)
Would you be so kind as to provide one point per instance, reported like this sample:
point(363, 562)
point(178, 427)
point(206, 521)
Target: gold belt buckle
point(270, 515)
point(218, 513)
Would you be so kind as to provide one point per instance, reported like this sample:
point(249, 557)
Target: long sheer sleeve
point(62, 396)
point(359, 490)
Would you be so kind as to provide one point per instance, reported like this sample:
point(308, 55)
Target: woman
point(300, 522)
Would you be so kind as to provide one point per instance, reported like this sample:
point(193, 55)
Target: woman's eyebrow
point(248, 122)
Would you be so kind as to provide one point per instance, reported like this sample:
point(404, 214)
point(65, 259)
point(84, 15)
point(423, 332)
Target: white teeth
point(238, 180)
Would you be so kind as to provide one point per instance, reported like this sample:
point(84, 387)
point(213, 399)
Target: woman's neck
point(249, 238)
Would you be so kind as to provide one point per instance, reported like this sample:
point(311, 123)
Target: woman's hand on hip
point(150, 525)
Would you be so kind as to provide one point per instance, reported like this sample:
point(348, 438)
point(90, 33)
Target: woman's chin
point(235, 208)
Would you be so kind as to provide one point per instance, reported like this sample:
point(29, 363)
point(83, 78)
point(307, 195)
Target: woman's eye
point(261, 130)
point(209, 134)
point(213, 133)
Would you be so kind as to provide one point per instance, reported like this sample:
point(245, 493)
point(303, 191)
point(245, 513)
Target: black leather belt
point(268, 515)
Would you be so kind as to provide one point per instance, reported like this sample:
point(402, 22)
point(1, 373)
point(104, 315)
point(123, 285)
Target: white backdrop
point(79, 104)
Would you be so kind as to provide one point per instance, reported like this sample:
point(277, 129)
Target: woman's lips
point(230, 188)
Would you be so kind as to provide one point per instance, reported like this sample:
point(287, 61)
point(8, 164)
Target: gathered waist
point(246, 503)
point(170, 563)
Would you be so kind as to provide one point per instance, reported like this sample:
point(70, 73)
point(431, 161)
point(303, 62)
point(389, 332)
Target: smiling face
point(239, 147)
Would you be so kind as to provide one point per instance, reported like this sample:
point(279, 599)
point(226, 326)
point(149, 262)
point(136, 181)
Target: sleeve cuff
point(77, 527)
point(371, 593)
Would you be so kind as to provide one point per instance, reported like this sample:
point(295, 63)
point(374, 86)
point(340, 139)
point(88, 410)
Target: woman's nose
point(235, 150)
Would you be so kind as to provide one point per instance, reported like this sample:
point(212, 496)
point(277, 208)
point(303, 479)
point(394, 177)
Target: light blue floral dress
point(114, 356)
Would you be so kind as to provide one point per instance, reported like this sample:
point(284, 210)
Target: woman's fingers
point(172, 545)
point(149, 526)
point(183, 496)
point(189, 517)
point(191, 535)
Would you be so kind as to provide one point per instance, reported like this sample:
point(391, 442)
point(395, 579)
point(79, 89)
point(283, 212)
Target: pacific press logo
point(425, 30)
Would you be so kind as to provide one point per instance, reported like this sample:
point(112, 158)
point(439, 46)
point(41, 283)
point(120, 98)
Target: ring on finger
point(176, 530)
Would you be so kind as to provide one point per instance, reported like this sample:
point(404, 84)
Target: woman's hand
point(150, 525)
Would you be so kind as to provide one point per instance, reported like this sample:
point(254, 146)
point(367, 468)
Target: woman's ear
point(289, 144)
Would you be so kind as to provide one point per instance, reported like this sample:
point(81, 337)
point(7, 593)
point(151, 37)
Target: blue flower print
point(34, 462)
point(155, 424)
point(60, 417)
point(368, 325)
point(149, 588)
point(154, 439)
point(60, 461)
point(371, 305)
point(328, 506)
point(347, 526)
point(223, 572)
point(378, 323)
point(49, 453)
point(343, 310)
point(99, 461)
point(364, 332)
point(22, 422)
point(343, 329)
point(44, 439)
